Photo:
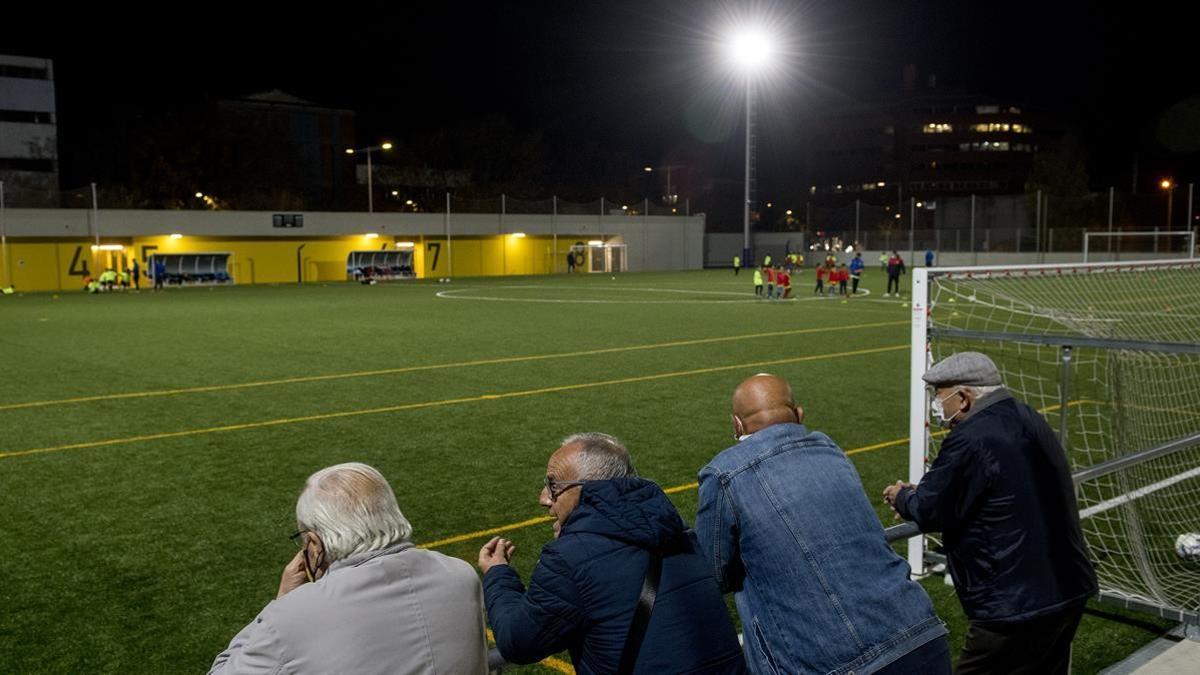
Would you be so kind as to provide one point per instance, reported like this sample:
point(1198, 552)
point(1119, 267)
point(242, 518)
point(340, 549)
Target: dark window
point(288, 220)
point(26, 117)
point(24, 72)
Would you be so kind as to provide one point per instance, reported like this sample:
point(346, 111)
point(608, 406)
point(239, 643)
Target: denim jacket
point(786, 526)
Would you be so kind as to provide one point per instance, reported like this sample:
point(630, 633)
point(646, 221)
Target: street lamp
point(751, 51)
point(671, 197)
point(370, 183)
point(1168, 185)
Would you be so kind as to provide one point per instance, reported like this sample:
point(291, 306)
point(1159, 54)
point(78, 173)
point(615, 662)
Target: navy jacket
point(586, 585)
point(1000, 492)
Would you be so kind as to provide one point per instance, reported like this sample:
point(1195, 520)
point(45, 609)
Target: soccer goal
point(1116, 246)
point(1109, 353)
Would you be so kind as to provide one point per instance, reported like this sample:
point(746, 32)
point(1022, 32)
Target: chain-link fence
point(1023, 223)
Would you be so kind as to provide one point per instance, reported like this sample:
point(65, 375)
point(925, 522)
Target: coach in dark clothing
point(1000, 492)
point(585, 588)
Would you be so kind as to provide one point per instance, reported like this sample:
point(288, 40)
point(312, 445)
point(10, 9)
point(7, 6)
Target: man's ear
point(799, 414)
point(739, 429)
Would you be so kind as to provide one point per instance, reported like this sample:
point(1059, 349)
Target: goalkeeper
point(1000, 492)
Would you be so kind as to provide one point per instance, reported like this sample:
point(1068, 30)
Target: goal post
point(1151, 240)
point(1109, 353)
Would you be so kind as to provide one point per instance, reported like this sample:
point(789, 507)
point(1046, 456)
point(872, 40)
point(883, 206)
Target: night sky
point(641, 75)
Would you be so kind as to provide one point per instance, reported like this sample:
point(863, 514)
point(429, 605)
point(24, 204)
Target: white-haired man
point(359, 597)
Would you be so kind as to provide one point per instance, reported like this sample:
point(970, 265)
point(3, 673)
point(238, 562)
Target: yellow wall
point(62, 265)
point(486, 256)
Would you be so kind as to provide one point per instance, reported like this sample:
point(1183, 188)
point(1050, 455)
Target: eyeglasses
point(555, 488)
point(298, 539)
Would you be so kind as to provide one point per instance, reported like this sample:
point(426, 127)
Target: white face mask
point(937, 405)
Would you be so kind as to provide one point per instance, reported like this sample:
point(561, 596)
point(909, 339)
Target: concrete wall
point(51, 249)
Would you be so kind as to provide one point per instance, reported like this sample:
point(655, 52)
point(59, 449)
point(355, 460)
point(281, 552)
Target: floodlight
point(371, 235)
point(176, 236)
point(751, 49)
point(518, 235)
point(386, 146)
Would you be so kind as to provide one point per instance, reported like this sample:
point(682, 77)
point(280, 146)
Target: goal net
point(1110, 354)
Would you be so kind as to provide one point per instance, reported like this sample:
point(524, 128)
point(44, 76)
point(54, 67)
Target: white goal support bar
point(918, 418)
point(1190, 234)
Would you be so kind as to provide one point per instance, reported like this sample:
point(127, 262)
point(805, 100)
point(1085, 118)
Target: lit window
point(937, 128)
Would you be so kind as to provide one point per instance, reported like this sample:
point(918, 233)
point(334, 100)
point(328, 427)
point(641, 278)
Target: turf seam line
point(435, 366)
point(452, 401)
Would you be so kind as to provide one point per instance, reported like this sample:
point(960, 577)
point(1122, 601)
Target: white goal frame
point(1190, 234)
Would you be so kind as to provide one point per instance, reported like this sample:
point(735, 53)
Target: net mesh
point(1120, 400)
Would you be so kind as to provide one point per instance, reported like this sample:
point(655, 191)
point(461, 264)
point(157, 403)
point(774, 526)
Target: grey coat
point(398, 610)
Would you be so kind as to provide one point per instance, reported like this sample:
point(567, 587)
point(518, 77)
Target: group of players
point(775, 282)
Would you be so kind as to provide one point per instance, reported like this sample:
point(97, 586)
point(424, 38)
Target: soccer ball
point(1187, 546)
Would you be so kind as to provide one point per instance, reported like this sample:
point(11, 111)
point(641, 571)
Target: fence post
point(974, 252)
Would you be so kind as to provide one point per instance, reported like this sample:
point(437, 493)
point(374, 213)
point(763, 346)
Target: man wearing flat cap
point(1000, 492)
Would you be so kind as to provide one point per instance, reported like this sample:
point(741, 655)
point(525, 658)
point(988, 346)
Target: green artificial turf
point(149, 544)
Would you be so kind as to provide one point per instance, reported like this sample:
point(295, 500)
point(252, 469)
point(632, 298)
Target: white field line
point(1140, 492)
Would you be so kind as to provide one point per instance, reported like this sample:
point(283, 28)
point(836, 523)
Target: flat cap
point(970, 369)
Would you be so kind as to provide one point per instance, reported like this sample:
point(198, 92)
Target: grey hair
point(601, 457)
point(980, 392)
point(352, 509)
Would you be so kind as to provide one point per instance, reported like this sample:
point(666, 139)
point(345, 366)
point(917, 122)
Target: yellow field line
point(439, 366)
point(451, 401)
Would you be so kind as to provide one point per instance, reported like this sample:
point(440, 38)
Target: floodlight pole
point(370, 185)
point(746, 205)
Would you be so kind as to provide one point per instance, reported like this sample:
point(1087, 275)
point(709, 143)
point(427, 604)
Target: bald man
point(786, 526)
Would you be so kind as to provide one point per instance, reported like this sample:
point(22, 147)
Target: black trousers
point(1038, 646)
point(893, 280)
point(931, 658)
point(854, 285)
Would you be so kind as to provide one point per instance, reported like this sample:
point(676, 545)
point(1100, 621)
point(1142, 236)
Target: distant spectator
point(615, 536)
point(359, 597)
point(1001, 494)
point(883, 261)
point(843, 277)
point(160, 273)
point(929, 257)
point(785, 525)
point(137, 275)
point(758, 282)
point(737, 264)
point(822, 272)
point(895, 267)
point(570, 261)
